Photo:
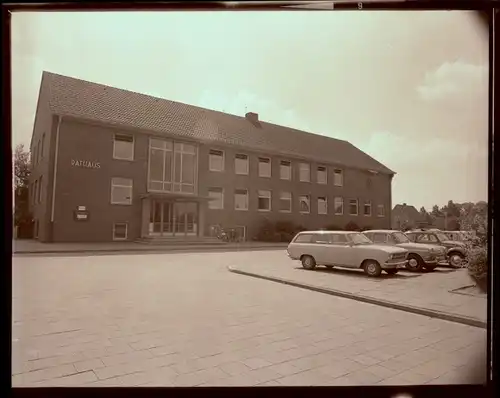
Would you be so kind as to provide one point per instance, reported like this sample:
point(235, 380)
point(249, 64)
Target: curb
point(383, 303)
point(150, 250)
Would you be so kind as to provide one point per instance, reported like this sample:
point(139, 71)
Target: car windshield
point(441, 236)
point(360, 239)
point(400, 237)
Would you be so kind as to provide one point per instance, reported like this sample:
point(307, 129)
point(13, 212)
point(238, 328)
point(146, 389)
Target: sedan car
point(420, 255)
point(456, 252)
point(345, 249)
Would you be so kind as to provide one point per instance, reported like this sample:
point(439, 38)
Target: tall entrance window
point(173, 218)
point(172, 166)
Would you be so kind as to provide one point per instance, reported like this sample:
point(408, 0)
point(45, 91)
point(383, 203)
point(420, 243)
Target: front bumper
point(436, 260)
point(395, 265)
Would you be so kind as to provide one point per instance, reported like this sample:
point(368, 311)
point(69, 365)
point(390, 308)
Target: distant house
point(404, 217)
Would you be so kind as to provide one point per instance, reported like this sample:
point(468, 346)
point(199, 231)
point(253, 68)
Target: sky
point(408, 88)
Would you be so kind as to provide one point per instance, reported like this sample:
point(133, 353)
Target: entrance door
point(186, 219)
point(173, 218)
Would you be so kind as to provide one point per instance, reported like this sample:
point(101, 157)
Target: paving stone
point(46, 374)
point(234, 368)
point(76, 380)
point(89, 364)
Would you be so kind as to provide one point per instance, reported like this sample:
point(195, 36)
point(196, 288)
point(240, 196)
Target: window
point(285, 170)
point(367, 208)
point(338, 178)
point(339, 206)
point(381, 211)
point(379, 238)
point(321, 238)
point(241, 199)
point(322, 205)
point(43, 144)
point(35, 192)
point(35, 153)
point(36, 228)
point(305, 172)
point(38, 157)
point(285, 202)
point(353, 207)
point(172, 166)
point(217, 198)
point(123, 147)
point(184, 167)
point(305, 203)
point(321, 175)
point(304, 238)
point(264, 167)
point(338, 239)
point(121, 191)
point(241, 164)
point(120, 231)
point(40, 188)
point(264, 201)
point(216, 160)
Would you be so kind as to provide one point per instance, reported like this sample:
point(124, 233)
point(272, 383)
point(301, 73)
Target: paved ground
point(184, 320)
point(31, 246)
point(425, 290)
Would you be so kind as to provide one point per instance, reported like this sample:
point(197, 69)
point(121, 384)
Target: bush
point(366, 228)
point(280, 231)
point(352, 226)
point(477, 262)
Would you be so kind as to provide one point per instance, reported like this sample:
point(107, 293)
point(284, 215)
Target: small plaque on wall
point(81, 215)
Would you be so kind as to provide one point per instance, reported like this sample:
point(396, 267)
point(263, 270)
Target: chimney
point(252, 117)
point(404, 204)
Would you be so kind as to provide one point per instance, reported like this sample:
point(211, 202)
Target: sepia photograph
point(252, 198)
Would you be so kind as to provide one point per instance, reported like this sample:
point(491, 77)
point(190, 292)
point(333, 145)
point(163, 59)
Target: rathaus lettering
point(85, 163)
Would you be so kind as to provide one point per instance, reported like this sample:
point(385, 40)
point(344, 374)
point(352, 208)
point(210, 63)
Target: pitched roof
point(407, 211)
point(82, 99)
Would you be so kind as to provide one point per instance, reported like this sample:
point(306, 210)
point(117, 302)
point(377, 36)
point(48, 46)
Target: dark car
point(456, 251)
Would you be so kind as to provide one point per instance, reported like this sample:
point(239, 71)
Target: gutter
point(55, 170)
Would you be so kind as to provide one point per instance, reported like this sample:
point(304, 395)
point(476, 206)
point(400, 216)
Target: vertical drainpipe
point(55, 174)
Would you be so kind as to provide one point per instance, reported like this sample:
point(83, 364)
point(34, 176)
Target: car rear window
point(303, 238)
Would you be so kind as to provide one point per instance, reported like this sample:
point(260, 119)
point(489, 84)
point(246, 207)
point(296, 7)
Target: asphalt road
point(183, 320)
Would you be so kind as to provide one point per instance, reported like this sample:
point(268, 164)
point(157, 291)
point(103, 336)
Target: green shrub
point(352, 226)
point(477, 263)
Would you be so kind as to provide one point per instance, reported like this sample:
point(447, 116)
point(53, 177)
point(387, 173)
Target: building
point(406, 217)
point(110, 164)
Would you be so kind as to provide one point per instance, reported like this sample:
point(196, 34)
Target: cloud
point(453, 79)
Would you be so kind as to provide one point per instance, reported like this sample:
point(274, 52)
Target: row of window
point(264, 200)
point(36, 190)
point(242, 167)
point(37, 152)
point(175, 162)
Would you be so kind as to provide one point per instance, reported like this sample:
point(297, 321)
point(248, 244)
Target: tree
point(423, 212)
point(452, 209)
point(435, 211)
point(22, 170)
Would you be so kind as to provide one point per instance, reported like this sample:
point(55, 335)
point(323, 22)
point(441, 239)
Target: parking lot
point(184, 320)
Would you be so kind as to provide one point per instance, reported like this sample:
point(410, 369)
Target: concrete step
point(175, 241)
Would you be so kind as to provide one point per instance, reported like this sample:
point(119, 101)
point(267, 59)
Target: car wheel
point(415, 263)
point(456, 259)
point(392, 271)
point(308, 262)
point(372, 268)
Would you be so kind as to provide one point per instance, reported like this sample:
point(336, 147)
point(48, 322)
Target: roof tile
point(78, 98)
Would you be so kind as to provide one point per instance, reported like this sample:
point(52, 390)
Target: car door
point(344, 251)
point(321, 248)
point(336, 249)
